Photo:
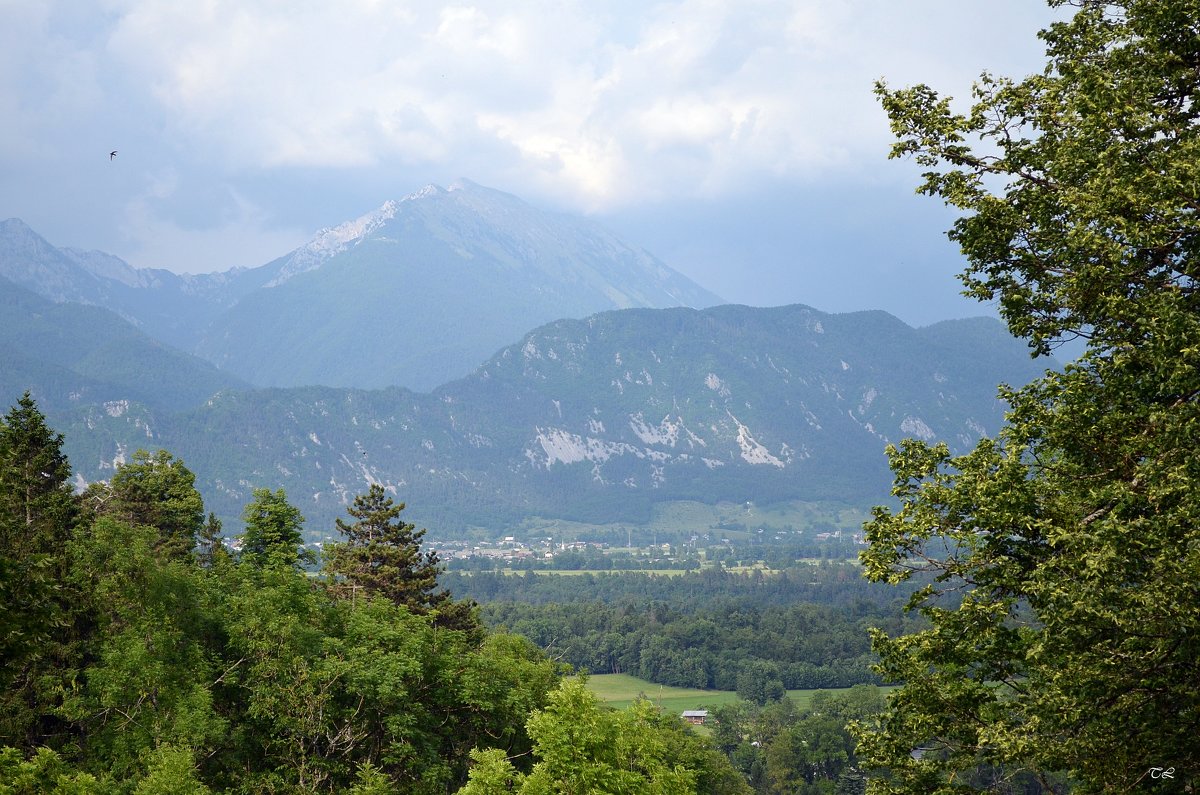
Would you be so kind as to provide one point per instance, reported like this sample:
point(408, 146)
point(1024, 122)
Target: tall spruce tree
point(382, 556)
point(37, 512)
point(274, 531)
point(37, 519)
point(1070, 543)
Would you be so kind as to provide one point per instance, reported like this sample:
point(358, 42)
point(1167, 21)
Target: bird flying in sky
point(112, 154)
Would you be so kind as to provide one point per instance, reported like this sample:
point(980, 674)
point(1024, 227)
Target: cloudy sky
point(736, 139)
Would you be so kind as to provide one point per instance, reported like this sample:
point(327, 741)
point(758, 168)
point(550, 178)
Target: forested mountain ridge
point(72, 355)
point(367, 303)
point(167, 306)
point(599, 419)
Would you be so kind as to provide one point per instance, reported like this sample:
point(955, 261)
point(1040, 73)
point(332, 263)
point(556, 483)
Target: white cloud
point(47, 80)
point(240, 237)
point(692, 96)
point(597, 107)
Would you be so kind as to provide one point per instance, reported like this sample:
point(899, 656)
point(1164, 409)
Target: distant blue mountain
point(593, 415)
point(413, 294)
point(71, 355)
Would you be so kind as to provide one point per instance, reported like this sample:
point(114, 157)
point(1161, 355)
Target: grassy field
point(620, 690)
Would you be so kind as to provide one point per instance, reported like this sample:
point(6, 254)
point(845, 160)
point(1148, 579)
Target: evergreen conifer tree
point(37, 519)
point(273, 531)
point(37, 512)
point(382, 556)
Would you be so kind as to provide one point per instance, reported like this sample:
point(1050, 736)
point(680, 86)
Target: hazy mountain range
point(596, 418)
point(413, 294)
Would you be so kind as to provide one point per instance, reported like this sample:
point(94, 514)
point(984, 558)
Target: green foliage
point(274, 531)
point(44, 773)
point(1064, 613)
point(172, 771)
point(781, 748)
point(508, 680)
point(152, 674)
point(759, 682)
point(371, 781)
point(37, 519)
point(580, 746)
point(146, 682)
point(286, 668)
point(155, 490)
point(382, 556)
point(326, 685)
point(492, 774)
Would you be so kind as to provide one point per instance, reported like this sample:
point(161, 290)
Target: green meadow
point(621, 690)
point(579, 572)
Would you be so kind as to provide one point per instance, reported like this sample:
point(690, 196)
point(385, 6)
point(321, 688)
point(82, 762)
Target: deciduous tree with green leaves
point(149, 657)
point(154, 490)
point(1064, 554)
point(581, 746)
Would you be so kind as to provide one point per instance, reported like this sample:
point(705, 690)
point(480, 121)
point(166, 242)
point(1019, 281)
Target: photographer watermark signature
point(1160, 774)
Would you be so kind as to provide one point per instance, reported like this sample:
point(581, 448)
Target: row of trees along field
point(781, 748)
point(139, 656)
point(759, 634)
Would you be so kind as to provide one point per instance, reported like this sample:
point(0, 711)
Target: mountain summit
point(414, 293)
point(580, 259)
point(424, 288)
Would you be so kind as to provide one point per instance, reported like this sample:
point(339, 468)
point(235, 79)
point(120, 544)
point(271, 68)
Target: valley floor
point(621, 690)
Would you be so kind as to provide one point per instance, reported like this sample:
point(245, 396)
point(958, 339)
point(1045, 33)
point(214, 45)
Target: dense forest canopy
point(141, 656)
point(798, 628)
